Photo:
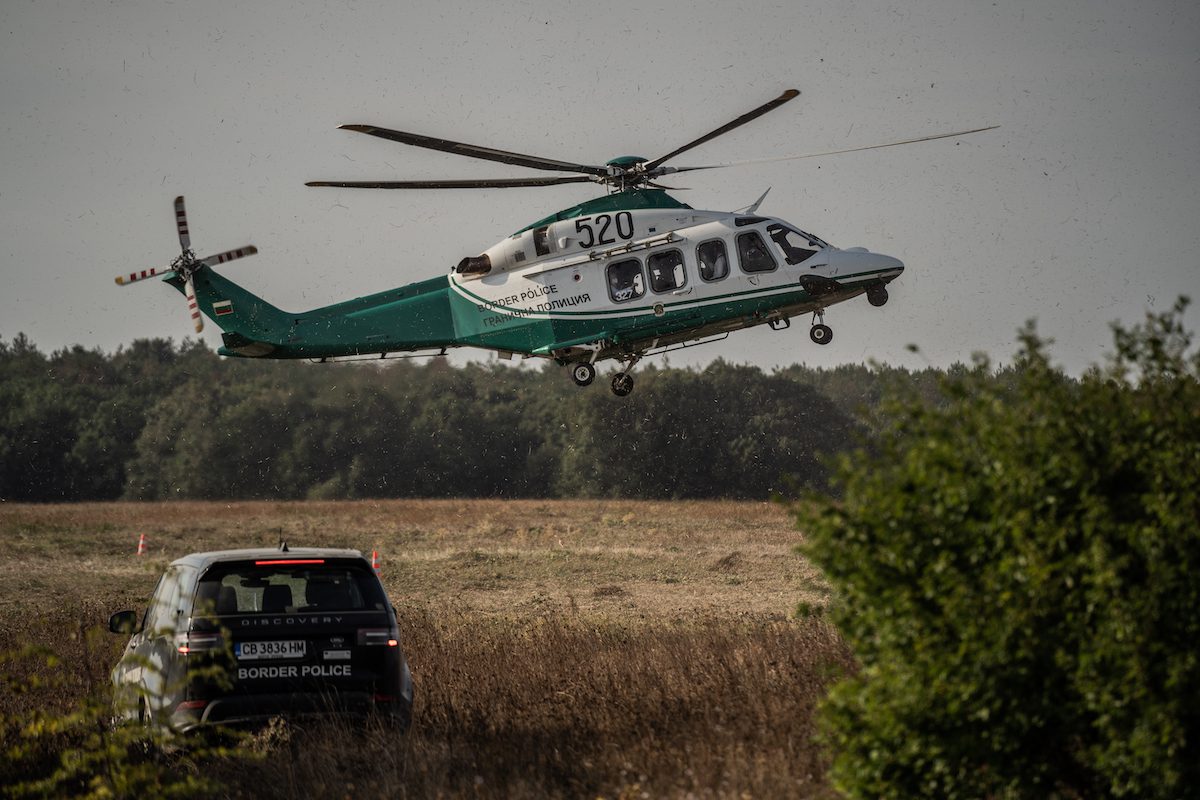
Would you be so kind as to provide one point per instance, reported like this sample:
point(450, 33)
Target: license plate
point(279, 648)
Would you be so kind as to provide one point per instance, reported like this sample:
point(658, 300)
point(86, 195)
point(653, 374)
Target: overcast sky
point(1083, 208)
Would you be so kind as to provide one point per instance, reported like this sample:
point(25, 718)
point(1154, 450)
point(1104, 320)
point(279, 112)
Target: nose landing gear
point(877, 295)
point(820, 332)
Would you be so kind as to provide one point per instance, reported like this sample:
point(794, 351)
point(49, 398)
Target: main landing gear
point(820, 332)
point(584, 372)
point(622, 382)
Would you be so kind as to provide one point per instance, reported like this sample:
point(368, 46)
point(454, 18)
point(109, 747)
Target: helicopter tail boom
point(251, 326)
point(411, 318)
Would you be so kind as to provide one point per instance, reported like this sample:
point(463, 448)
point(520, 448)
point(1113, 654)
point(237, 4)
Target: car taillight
point(188, 643)
point(388, 637)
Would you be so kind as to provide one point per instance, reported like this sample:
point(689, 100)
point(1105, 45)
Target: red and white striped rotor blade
point(229, 255)
point(190, 292)
point(185, 239)
point(141, 276)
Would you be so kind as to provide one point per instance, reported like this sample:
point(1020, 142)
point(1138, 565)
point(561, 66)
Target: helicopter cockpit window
point(541, 240)
point(797, 247)
point(666, 271)
point(753, 253)
point(713, 260)
point(625, 281)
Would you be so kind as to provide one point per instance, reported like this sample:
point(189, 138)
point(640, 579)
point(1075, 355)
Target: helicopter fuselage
point(617, 277)
point(606, 280)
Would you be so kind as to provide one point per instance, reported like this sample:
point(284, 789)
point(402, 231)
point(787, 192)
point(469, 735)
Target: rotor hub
point(185, 263)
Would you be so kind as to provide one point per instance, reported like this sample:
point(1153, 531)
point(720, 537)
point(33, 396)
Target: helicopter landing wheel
point(877, 295)
point(583, 374)
point(821, 334)
point(622, 384)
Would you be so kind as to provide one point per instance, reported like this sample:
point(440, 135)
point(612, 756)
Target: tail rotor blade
point(190, 292)
point(123, 280)
point(229, 255)
point(185, 239)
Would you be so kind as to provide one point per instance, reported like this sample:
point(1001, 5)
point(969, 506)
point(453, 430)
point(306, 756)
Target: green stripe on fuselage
point(483, 324)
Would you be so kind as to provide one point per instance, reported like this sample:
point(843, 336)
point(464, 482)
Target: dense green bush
point(1017, 569)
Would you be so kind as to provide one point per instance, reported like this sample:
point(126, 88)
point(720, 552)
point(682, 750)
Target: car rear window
point(282, 587)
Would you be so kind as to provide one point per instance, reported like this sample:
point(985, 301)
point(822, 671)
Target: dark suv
point(240, 636)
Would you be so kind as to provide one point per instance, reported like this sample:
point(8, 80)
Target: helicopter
point(626, 275)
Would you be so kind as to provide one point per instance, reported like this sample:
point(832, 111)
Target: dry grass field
point(569, 649)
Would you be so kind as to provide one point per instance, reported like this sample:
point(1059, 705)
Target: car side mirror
point(123, 622)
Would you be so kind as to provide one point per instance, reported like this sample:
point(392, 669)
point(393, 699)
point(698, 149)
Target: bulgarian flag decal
point(223, 307)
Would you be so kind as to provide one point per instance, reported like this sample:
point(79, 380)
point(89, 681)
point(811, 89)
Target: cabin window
point(796, 246)
point(666, 271)
point(625, 280)
point(714, 263)
point(753, 253)
point(541, 240)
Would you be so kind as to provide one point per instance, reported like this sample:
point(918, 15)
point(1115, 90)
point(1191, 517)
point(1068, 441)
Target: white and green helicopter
point(623, 276)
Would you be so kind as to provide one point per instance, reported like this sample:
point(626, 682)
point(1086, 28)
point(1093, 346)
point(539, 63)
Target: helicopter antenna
point(750, 209)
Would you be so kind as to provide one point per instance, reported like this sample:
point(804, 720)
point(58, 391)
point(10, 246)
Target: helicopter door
point(625, 280)
point(666, 271)
point(753, 253)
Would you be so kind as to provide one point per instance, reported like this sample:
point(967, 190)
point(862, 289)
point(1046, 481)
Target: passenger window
point(714, 263)
point(625, 281)
point(541, 240)
point(666, 271)
point(164, 606)
point(753, 253)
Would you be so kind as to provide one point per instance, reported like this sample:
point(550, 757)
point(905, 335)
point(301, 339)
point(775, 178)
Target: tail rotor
point(186, 265)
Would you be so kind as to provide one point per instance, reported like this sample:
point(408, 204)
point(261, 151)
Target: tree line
point(158, 420)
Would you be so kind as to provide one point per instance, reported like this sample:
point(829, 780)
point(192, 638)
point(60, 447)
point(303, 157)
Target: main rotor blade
point(189, 291)
point(124, 280)
point(229, 255)
point(672, 170)
point(185, 239)
point(475, 151)
point(726, 128)
point(496, 183)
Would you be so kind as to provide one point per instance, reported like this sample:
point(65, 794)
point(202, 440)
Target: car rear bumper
point(252, 710)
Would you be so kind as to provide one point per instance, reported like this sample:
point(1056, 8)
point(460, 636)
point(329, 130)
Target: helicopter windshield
point(797, 246)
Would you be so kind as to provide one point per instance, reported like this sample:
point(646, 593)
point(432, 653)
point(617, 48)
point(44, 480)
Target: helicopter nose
point(889, 263)
point(860, 260)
